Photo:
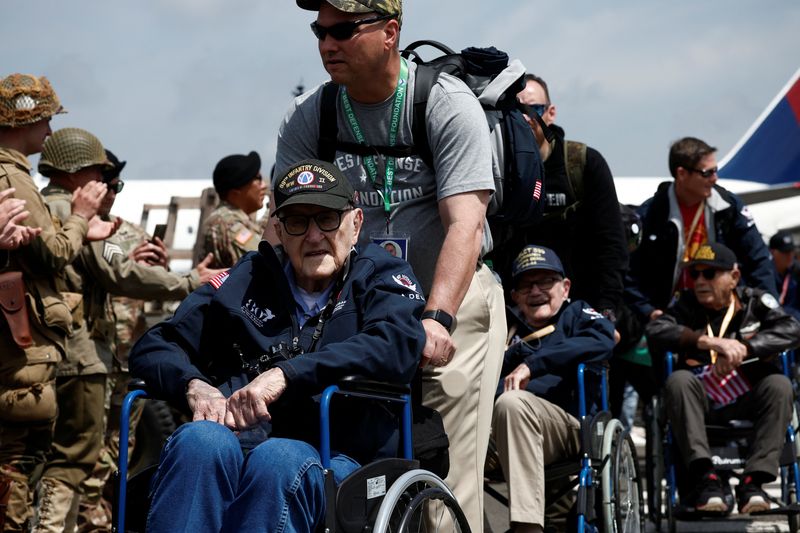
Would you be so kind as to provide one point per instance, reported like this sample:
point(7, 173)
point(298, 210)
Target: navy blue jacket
point(582, 335)
point(373, 331)
point(654, 265)
point(791, 302)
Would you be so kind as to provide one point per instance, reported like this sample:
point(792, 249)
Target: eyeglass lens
point(707, 274)
point(342, 30)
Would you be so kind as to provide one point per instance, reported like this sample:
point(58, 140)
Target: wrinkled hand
point(730, 353)
point(249, 405)
point(518, 378)
point(655, 313)
point(100, 230)
point(439, 346)
point(86, 200)
point(205, 401)
point(152, 253)
point(205, 273)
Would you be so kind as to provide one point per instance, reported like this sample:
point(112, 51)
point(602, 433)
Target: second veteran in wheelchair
point(534, 422)
point(727, 338)
point(260, 343)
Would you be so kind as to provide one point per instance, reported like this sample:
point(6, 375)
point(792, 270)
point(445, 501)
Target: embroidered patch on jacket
point(219, 279)
point(405, 281)
point(243, 236)
point(110, 250)
point(594, 315)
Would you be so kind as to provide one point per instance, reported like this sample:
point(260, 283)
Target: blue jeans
point(205, 483)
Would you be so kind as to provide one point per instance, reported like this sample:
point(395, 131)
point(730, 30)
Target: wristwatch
point(443, 318)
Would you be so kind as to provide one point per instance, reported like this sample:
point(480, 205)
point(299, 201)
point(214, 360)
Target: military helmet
point(25, 99)
point(71, 149)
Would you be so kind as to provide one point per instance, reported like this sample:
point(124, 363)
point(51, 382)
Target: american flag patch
point(537, 190)
point(110, 250)
point(722, 390)
point(218, 280)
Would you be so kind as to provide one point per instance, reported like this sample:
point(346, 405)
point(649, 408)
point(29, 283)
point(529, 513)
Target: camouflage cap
point(71, 149)
point(384, 7)
point(25, 99)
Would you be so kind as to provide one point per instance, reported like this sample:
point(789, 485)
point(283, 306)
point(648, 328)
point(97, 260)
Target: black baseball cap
point(236, 170)
point(534, 257)
point(715, 255)
point(783, 241)
point(313, 182)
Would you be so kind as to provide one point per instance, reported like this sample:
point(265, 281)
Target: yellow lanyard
point(725, 323)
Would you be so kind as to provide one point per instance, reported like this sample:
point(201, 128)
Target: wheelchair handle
point(124, 430)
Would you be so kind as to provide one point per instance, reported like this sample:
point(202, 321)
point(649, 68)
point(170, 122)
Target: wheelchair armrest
point(367, 386)
point(137, 384)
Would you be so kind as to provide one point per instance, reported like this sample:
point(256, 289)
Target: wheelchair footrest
point(791, 509)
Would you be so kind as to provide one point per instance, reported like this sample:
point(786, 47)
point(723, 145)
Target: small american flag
point(218, 280)
point(537, 190)
point(722, 390)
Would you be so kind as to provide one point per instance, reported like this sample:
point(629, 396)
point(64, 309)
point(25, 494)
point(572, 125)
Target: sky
point(172, 86)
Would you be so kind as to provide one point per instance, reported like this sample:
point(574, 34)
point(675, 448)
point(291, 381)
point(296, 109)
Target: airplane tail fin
point(769, 152)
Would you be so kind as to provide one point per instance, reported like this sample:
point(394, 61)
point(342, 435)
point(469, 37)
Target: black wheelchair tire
point(157, 423)
point(654, 462)
point(412, 515)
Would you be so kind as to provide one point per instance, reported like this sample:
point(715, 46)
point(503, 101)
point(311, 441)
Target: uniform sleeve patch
point(594, 315)
point(769, 301)
point(110, 250)
point(218, 280)
point(244, 236)
point(405, 281)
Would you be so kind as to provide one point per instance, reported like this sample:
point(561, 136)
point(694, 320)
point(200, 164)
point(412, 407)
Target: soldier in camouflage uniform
point(230, 231)
point(32, 339)
point(73, 158)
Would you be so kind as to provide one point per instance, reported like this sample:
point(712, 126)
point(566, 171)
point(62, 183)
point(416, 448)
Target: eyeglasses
point(116, 187)
point(326, 221)
point(544, 285)
point(708, 274)
point(343, 30)
point(707, 173)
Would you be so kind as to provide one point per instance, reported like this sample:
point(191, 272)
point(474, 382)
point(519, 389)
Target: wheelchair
point(388, 495)
point(729, 446)
point(609, 486)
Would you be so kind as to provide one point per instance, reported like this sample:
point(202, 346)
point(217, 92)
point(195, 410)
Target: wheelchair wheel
point(419, 501)
point(623, 504)
point(654, 462)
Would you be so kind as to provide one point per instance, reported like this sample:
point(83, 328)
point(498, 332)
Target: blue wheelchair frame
point(790, 475)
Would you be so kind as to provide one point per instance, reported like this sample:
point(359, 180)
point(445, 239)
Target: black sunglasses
point(343, 30)
point(326, 221)
point(530, 109)
point(707, 173)
point(117, 187)
point(708, 274)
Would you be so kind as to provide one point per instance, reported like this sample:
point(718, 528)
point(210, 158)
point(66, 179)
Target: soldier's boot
point(55, 503)
point(16, 500)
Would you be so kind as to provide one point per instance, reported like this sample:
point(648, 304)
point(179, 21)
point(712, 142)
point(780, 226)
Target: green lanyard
point(369, 161)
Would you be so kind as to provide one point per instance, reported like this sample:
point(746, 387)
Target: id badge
point(395, 244)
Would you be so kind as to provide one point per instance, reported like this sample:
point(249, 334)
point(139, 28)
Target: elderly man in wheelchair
point(534, 422)
point(259, 344)
point(726, 337)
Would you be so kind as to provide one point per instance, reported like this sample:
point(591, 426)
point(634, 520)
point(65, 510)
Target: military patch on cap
point(110, 250)
point(307, 178)
point(704, 253)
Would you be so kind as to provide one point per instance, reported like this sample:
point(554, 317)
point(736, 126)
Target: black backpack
point(516, 162)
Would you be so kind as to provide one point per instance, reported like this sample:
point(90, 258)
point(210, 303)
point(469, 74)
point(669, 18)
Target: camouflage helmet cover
point(384, 7)
point(71, 149)
point(25, 99)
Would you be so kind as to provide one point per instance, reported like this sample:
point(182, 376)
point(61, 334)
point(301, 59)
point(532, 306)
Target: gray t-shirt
point(459, 140)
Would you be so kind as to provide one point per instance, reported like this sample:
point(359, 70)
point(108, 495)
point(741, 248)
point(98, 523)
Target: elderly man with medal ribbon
point(727, 337)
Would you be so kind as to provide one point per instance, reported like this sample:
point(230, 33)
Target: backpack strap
point(425, 78)
point(575, 160)
point(328, 126)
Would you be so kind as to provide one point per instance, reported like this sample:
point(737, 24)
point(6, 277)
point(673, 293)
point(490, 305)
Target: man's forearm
point(455, 267)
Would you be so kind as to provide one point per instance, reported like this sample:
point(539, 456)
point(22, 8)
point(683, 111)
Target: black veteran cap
point(715, 255)
point(313, 182)
point(233, 171)
point(534, 257)
point(782, 241)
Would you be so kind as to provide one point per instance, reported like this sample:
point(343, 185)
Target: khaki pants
point(531, 433)
point(463, 391)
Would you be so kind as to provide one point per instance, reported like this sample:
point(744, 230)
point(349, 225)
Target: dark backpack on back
point(516, 162)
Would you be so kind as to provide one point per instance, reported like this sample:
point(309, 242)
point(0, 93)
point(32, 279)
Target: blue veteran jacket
point(372, 329)
point(582, 335)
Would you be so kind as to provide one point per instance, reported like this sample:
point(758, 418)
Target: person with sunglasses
point(436, 216)
point(73, 158)
point(258, 344)
point(727, 338)
point(535, 415)
point(683, 215)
